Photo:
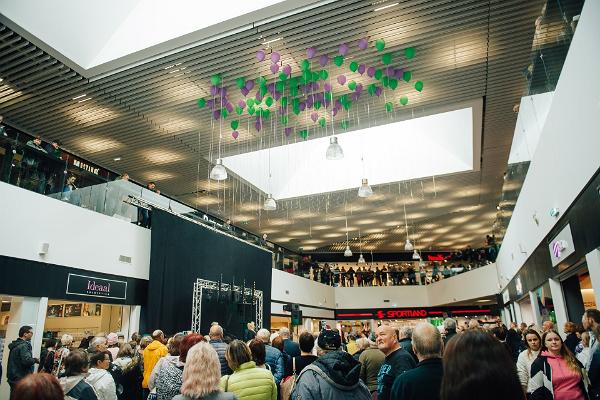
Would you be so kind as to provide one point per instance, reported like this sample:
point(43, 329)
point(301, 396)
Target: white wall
point(78, 238)
point(567, 153)
point(474, 284)
point(373, 297)
point(289, 288)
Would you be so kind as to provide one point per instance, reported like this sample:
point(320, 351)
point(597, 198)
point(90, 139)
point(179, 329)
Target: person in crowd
point(247, 382)
point(216, 341)
point(70, 184)
point(449, 329)
point(170, 379)
point(47, 355)
point(371, 361)
point(584, 355)
point(2, 127)
point(547, 326)
point(473, 325)
point(144, 215)
point(362, 344)
point(38, 387)
point(571, 341)
point(124, 177)
point(351, 346)
point(36, 143)
point(405, 334)
point(289, 346)
point(131, 378)
point(58, 359)
point(477, 366)
point(499, 332)
point(594, 370)
point(526, 357)
point(53, 148)
point(334, 375)
point(274, 357)
point(259, 354)
point(98, 344)
point(350, 276)
point(555, 373)
point(306, 357)
point(425, 380)
point(120, 339)
point(513, 340)
point(590, 320)
point(173, 346)
point(20, 357)
point(201, 375)
point(397, 360)
point(112, 341)
point(250, 331)
point(73, 383)
point(277, 342)
point(99, 377)
point(152, 353)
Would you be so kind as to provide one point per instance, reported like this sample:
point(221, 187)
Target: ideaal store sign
point(82, 285)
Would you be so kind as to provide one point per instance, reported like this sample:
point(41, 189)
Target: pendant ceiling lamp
point(408, 246)
point(347, 252)
point(361, 258)
point(416, 255)
point(365, 190)
point(218, 172)
point(334, 150)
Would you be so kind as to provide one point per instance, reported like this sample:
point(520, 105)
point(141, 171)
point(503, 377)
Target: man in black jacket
point(20, 358)
point(216, 341)
point(289, 346)
point(424, 381)
point(397, 360)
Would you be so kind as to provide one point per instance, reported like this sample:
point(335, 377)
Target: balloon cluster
point(310, 89)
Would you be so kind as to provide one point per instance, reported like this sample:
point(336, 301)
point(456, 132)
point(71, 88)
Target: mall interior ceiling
point(145, 119)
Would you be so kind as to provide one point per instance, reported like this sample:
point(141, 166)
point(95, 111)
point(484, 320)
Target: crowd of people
point(470, 361)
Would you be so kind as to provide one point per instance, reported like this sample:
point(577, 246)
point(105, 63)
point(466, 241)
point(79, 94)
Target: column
point(593, 262)
point(134, 321)
point(535, 309)
point(560, 307)
point(518, 315)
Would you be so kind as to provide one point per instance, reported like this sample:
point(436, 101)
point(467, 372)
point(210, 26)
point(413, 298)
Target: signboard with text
point(82, 285)
point(561, 246)
point(412, 313)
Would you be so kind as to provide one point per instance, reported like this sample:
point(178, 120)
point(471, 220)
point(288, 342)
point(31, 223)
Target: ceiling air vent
point(386, 301)
point(125, 259)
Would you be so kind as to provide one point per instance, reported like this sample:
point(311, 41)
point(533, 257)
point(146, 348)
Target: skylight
point(421, 147)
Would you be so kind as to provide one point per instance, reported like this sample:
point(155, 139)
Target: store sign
point(408, 313)
point(86, 167)
point(561, 246)
point(82, 285)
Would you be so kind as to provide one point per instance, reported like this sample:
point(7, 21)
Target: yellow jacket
point(154, 352)
point(250, 382)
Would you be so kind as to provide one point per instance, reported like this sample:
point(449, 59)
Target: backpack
point(59, 356)
point(288, 383)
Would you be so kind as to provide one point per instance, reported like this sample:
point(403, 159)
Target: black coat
point(421, 383)
point(572, 341)
point(20, 360)
point(291, 348)
point(395, 364)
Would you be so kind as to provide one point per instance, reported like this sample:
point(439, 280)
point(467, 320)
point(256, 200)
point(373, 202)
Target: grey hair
point(264, 335)
point(363, 343)
point(405, 332)
point(427, 340)
point(449, 323)
point(284, 333)
point(97, 340)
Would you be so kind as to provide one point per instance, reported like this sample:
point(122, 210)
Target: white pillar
point(593, 263)
point(506, 316)
point(535, 309)
point(518, 315)
point(134, 321)
point(560, 307)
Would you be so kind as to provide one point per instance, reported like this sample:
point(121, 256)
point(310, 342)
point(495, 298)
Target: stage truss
point(202, 284)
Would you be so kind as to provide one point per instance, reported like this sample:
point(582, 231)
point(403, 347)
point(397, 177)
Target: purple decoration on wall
point(223, 91)
point(334, 111)
point(275, 58)
point(271, 88)
point(344, 49)
point(260, 56)
point(323, 60)
point(327, 102)
point(338, 103)
point(274, 68)
point(258, 125)
point(258, 96)
point(363, 44)
point(311, 52)
point(327, 87)
point(277, 95)
point(362, 68)
point(320, 96)
point(371, 72)
point(315, 86)
point(249, 84)
point(287, 131)
point(210, 103)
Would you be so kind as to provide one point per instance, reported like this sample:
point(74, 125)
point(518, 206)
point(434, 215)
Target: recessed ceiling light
point(387, 6)
point(272, 40)
point(117, 159)
point(81, 101)
point(482, 301)
point(79, 97)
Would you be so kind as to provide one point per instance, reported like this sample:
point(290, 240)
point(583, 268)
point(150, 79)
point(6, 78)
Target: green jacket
point(250, 383)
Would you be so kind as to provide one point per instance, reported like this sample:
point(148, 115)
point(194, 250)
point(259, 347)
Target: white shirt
point(524, 362)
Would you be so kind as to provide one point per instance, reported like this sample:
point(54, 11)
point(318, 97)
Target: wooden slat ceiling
point(147, 115)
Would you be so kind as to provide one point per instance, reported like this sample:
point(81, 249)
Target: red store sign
point(409, 313)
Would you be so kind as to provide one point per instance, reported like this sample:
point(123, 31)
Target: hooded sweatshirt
point(336, 375)
point(564, 381)
point(20, 360)
point(83, 392)
point(154, 352)
point(103, 383)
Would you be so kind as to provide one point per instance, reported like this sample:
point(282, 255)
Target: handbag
point(287, 385)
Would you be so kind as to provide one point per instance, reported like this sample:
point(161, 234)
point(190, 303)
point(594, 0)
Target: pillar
point(593, 262)
point(535, 309)
point(560, 307)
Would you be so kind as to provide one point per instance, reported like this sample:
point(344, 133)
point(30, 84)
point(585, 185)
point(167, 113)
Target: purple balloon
point(354, 96)
point(338, 103)
point(398, 73)
point(223, 91)
point(275, 57)
point(258, 96)
point(277, 95)
point(359, 88)
point(320, 97)
point(260, 55)
point(302, 106)
point(327, 87)
point(363, 44)
point(274, 68)
point(281, 110)
point(334, 111)
point(315, 86)
point(235, 134)
point(310, 101)
point(323, 60)
point(258, 124)
point(378, 91)
point(390, 71)
point(311, 52)
point(249, 84)
point(314, 116)
point(216, 114)
point(287, 131)
point(242, 104)
point(214, 90)
point(371, 72)
point(210, 103)
point(362, 68)
point(244, 91)
point(287, 70)
point(341, 79)
point(229, 107)
point(344, 49)
point(271, 88)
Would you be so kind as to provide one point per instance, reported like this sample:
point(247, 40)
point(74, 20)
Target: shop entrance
point(578, 293)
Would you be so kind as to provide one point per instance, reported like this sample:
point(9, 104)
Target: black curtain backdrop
point(183, 251)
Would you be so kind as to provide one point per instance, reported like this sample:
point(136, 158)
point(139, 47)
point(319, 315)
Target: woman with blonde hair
point(247, 381)
point(201, 375)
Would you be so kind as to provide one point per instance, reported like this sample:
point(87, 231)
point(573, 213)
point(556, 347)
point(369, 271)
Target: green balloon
point(240, 82)
point(263, 90)
point(261, 80)
point(201, 102)
point(372, 89)
point(328, 96)
point(224, 113)
point(251, 110)
point(280, 86)
point(283, 101)
point(385, 81)
point(393, 83)
point(378, 74)
point(344, 124)
point(269, 101)
point(409, 52)
point(239, 110)
point(303, 134)
point(306, 76)
point(351, 85)
point(283, 77)
point(215, 79)
point(315, 76)
point(284, 119)
point(389, 107)
point(234, 124)
point(380, 44)
point(353, 66)
point(406, 76)
point(338, 60)
point(296, 110)
point(347, 105)
point(266, 113)
point(305, 65)
point(317, 104)
point(419, 86)
point(323, 74)
point(403, 100)
point(386, 58)
point(322, 122)
point(294, 90)
point(295, 102)
point(250, 102)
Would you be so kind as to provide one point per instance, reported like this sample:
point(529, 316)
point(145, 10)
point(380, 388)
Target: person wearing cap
point(112, 340)
point(334, 375)
point(397, 360)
